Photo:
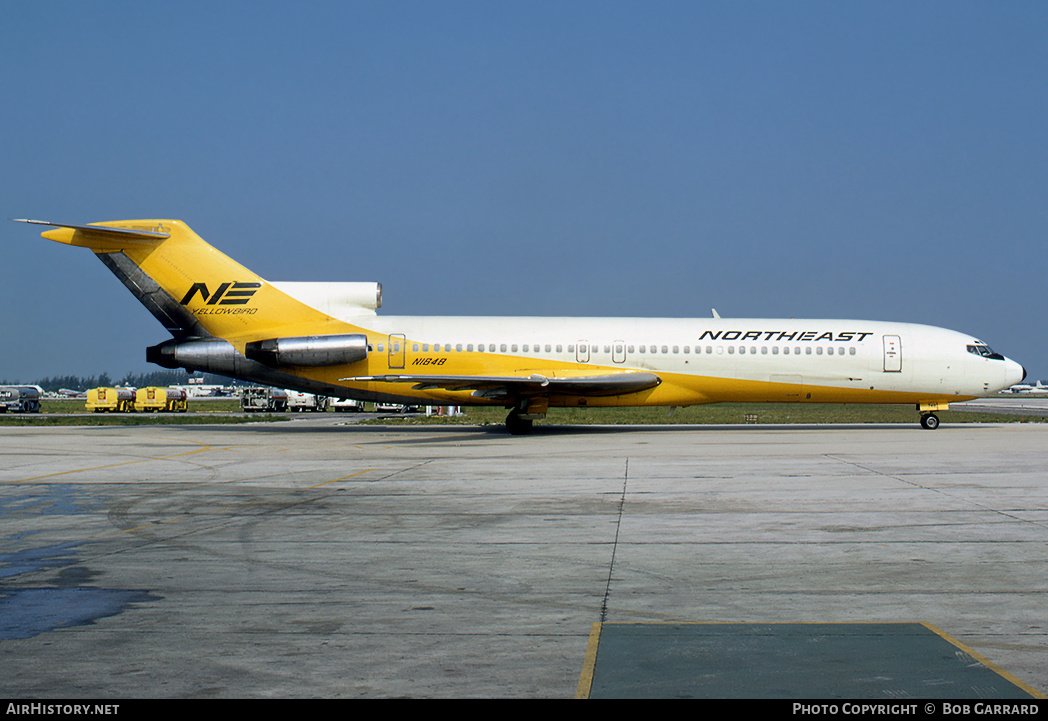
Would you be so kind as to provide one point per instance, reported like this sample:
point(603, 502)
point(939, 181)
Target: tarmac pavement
point(316, 558)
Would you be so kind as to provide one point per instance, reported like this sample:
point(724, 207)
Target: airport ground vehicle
point(20, 399)
point(263, 399)
point(298, 401)
point(107, 400)
point(161, 399)
point(346, 405)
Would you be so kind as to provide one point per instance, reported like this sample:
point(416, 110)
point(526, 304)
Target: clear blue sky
point(871, 160)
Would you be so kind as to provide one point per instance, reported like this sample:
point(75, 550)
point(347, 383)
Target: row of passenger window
point(619, 349)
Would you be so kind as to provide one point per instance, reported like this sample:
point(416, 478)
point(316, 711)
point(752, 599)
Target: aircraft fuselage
point(327, 338)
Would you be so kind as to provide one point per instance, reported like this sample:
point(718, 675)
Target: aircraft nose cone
point(1015, 373)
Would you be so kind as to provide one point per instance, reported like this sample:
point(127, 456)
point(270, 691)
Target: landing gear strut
point(930, 421)
point(516, 425)
point(525, 413)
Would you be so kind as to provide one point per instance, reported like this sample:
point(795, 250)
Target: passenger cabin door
point(892, 354)
point(397, 350)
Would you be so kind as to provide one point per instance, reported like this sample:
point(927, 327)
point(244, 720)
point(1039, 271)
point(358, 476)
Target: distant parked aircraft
point(1038, 387)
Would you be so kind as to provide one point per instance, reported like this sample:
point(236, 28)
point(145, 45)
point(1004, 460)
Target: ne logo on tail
point(227, 294)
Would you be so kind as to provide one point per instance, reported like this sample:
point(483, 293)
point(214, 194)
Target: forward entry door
point(892, 354)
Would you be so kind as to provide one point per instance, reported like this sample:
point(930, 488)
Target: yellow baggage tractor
point(104, 400)
point(170, 400)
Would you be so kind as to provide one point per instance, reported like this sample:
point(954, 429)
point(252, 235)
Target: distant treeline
point(162, 379)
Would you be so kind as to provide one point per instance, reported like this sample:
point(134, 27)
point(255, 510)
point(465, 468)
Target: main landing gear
point(929, 421)
point(516, 425)
point(525, 413)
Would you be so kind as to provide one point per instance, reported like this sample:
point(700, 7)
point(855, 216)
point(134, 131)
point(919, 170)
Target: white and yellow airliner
point(327, 338)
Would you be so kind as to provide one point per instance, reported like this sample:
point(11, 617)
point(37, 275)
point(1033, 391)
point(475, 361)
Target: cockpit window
point(985, 351)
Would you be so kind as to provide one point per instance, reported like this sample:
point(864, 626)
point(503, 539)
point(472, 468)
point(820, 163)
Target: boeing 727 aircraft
point(327, 338)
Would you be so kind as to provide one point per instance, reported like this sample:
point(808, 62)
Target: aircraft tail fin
point(190, 287)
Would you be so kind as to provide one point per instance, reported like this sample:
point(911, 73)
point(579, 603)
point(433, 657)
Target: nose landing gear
point(929, 421)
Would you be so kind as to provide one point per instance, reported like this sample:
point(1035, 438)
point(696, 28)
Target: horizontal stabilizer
point(154, 233)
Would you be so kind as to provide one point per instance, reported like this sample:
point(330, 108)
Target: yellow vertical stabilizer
point(190, 286)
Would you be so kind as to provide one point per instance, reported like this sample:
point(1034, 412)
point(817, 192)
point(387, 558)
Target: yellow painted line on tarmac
point(343, 478)
point(114, 465)
point(590, 663)
point(984, 661)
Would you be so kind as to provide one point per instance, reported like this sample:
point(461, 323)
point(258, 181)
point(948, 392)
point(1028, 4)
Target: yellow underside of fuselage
point(676, 389)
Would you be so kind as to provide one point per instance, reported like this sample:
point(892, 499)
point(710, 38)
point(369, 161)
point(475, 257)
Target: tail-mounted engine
point(214, 355)
point(310, 350)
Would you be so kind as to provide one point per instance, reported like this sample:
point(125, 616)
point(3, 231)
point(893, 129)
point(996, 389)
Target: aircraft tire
point(930, 421)
point(516, 425)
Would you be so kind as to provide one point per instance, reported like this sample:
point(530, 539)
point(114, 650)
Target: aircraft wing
point(495, 387)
